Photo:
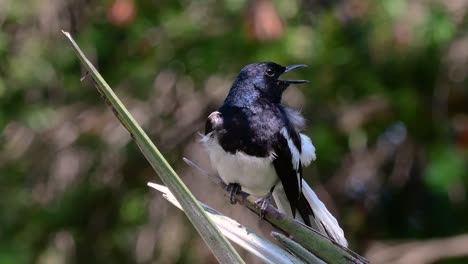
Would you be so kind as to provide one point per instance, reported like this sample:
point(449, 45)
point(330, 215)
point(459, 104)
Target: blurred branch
point(308, 238)
point(354, 116)
point(360, 169)
point(221, 248)
point(428, 251)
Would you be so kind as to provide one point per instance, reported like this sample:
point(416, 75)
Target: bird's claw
point(263, 203)
point(233, 189)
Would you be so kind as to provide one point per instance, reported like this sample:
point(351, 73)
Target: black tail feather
point(304, 209)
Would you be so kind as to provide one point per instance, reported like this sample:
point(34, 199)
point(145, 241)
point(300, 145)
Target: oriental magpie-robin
point(254, 143)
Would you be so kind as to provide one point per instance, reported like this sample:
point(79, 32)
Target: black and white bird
point(254, 143)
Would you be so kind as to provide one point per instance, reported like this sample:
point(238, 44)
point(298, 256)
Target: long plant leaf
point(217, 243)
point(297, 249)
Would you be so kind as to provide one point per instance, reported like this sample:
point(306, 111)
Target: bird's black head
point(263, 78)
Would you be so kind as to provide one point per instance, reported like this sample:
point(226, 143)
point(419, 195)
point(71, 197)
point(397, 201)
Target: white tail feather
point(324, 221)
point(323, 216)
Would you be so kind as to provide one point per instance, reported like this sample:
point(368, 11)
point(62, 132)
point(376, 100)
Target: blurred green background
point(387, 109)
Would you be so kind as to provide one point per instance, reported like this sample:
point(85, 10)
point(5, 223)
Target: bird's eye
point(269, 72)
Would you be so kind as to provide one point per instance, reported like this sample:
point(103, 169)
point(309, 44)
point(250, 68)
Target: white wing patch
point(295, 155)
point(308, 150)
point(307, 154)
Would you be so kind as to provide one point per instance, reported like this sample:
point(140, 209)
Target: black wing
point(287, 164)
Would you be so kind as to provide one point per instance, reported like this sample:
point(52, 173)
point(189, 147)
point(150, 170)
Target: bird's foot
point(263, 203)
point(233, 189)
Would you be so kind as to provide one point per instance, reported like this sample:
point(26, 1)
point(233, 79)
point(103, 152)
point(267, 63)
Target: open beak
point(292, 67)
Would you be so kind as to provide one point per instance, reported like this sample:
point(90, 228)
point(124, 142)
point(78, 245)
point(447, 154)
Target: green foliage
point(447, 167)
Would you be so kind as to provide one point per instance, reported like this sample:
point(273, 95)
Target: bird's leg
point(263, 204)
point(233, 189)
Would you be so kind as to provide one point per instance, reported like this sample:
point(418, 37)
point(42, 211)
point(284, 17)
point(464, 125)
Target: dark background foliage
point(387, 109)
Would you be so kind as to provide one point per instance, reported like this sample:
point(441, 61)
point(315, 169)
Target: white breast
point(256, 175)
